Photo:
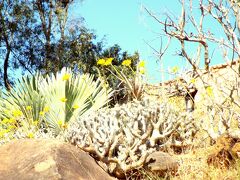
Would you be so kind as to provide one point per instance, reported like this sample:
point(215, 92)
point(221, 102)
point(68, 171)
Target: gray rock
point(161, 163)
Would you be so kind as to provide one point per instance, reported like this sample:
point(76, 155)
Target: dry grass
point(193, 163)
point(194, 166)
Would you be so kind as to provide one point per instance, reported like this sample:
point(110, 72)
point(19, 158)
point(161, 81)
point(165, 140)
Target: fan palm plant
point(54, 100)
point(25, 99)
point(70, 96)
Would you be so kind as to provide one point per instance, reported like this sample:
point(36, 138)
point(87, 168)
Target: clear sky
point(126, 23)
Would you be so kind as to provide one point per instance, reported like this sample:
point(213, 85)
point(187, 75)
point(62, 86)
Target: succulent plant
point(122, 137)
point(53, 100)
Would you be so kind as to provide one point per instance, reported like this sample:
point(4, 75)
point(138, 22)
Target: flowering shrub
point(175, 69)
point(209, 91)
point(133, 84)
point(105, 62)
point(127, 62)
point(141, 67)
point(51, 101)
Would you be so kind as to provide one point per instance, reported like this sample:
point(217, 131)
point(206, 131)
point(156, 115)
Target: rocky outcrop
point(29, 159)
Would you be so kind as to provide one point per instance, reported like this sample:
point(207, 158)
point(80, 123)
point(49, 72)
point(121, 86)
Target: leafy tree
point(27, 33)
point(38, 35)
point(15, 17)
point(53, 13)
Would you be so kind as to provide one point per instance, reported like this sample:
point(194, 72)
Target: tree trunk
point(189, 100)
point(5, 73)
point(46, 20)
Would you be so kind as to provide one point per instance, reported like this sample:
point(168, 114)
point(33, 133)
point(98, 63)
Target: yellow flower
point(101, 62)
point(46, 108)
point(35, 123)
point(66, 77)
point(141, 64)
point(175, 69)
point(105, 62)
point(41, 113)
point(17, 113)
point(30, 135)
point(108, 61)
point(3, 132)
point(142, 70)
point(60, 123)
point(28, 108)
point(63, 99)
point(126, 62)
point(5, 121)
point(11, 127)
point(209, 91)
point(75, 106)
point(12, 121)
point(193, 80)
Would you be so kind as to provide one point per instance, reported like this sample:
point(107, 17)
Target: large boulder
point(30, 159)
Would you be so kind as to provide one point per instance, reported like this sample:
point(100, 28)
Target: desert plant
point(135, 85)
point(123, 137)
point(192, 28)
point(69, 96)
point(223, 120)
point(53, 100)
point(131, 81)
point(24, 99)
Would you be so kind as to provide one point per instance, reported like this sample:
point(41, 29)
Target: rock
point(161, 163)
point(30, 159)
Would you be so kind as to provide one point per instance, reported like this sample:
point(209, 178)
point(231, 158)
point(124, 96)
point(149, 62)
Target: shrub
point(122, 137)
point(54, 100)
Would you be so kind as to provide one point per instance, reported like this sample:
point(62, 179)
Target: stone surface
point(161, 162)
point(29, 159)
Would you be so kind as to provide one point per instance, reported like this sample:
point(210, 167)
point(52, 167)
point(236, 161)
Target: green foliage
point(131, 81)
point(35, 44)
point(134, 85)
point(54, 100)
point(16, 34)
point(70, 96)
point(25, 99)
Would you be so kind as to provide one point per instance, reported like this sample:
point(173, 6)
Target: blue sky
point(127, 24)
